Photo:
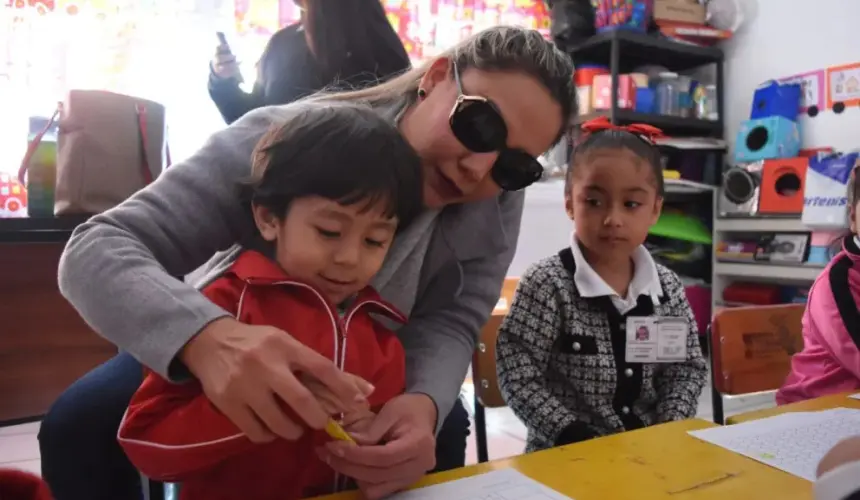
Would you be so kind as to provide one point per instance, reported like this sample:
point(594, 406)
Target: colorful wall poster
point(843, 85)
point(812, 89)
point(426, 27)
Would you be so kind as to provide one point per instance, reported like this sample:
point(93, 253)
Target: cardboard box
point(679, 11)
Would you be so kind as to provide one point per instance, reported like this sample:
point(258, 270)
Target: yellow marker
point(336, 431)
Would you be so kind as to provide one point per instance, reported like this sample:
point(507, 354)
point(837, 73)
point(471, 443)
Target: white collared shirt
point(838, 483)
point(645, 280)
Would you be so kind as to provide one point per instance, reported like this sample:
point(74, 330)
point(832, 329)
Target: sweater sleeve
point(171, 432)
point(233, 102)
point(833, 317)
point(679, 385)
point(525, 342)
point(170, 228)
point(439, 342)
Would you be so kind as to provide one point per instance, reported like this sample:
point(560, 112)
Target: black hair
point(616, 139)
point(343, 152)
point(353, 40)
point(853, 197)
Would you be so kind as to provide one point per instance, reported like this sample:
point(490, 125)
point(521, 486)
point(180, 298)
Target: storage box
point(776, 99)
point(601, 92)
point(583, 78)
point(766, 138)
point(782, 186)
point(679, 11)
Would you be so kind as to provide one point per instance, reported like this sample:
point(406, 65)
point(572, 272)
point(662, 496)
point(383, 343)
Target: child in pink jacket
point(830, 360)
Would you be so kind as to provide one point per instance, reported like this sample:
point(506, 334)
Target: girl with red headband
point(600, 339)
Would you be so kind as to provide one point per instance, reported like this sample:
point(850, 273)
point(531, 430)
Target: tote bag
point(825, 197)
point(109, 146)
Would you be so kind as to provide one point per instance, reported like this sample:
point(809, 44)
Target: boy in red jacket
point(327, 205)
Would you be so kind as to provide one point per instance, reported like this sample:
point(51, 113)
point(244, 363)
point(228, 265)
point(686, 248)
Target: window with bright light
point(160, 50)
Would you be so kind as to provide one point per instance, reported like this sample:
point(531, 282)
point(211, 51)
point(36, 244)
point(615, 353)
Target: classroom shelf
point(672, 125)
point(760, 225)
point(770, 271)
point(640, 49)
point(681, 186)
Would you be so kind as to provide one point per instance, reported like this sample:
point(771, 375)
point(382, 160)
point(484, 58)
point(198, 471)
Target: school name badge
point(656, 340)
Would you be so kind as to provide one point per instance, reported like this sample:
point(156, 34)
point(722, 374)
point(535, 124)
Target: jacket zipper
point(340, 337)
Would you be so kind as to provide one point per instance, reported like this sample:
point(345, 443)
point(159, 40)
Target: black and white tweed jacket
point(561, 360)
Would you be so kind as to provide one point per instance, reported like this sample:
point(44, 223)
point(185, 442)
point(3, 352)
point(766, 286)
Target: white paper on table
point(505, 484)
point(791, 442)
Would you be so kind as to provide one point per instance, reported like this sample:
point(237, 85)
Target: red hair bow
point(647, 132)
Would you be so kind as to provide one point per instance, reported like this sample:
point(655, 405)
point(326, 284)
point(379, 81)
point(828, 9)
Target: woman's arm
point(526, 339)
point(232, 102)
point(439, 344)
point(679, 385)
point(117, 269)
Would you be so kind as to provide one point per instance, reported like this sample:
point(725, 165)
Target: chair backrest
point(484, 361)
point(752, 346)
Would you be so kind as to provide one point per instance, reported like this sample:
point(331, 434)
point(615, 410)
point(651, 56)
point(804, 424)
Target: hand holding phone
point(224, 63)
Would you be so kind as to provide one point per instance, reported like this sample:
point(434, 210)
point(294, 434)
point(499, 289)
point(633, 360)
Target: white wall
point(785, 37)
point(545, 227)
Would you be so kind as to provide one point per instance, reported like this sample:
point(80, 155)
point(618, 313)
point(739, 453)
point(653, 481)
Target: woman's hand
point(406, 428)
point(247, 371)
point(224, 63)
point(330, 401)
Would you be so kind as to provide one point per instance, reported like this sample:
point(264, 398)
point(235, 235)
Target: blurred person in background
point(340, 44)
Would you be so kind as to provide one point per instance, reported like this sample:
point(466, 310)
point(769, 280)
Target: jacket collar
point(851, 246)
point(255, 268)
point(645, 279)
point(568, 261)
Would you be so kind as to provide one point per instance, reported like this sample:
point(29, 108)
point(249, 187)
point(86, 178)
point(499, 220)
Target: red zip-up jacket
point(171, 432)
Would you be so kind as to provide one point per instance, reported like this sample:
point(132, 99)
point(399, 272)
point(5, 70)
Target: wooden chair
point(487, 394)
point(751, 350)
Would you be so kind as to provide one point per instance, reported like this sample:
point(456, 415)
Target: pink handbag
point(109, 147)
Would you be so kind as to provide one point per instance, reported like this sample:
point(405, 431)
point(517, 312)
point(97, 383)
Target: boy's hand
point(358, 422)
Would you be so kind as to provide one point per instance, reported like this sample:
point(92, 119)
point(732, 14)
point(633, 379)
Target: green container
point(681, 227)
point(42, 180)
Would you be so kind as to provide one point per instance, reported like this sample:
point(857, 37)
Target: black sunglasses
point(478, 124)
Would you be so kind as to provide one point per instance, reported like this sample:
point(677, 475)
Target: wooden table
point(661, 462)
point(44, 344)
point(824, 403)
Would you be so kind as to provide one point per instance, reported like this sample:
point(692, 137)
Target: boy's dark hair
point(342, 152)
point(616, 139)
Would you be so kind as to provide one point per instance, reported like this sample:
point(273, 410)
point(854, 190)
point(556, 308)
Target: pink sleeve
point(831, 320)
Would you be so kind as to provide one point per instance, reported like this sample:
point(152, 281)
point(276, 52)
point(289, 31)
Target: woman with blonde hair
point(478, 115)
